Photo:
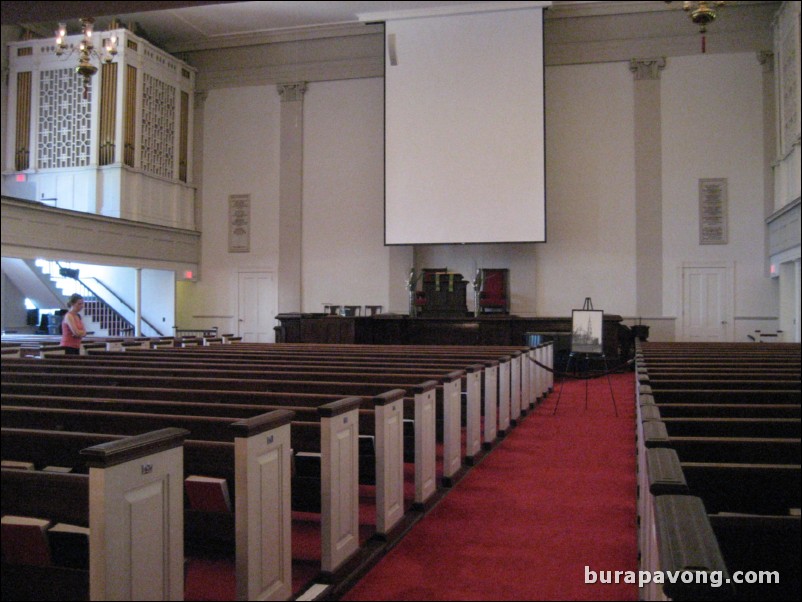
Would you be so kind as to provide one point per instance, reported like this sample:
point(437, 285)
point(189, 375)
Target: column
point(138, 303)
point(766, 60)
point(290, 196)
point(648, 187)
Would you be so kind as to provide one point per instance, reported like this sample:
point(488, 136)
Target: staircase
point(108, 320)
point(99, 317)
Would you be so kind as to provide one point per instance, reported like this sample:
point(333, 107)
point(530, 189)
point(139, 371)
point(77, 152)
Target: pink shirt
point(68, 339)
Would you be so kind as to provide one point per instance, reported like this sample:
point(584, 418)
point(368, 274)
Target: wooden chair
point(331, 310)
point(352, 310)
point(494, 295)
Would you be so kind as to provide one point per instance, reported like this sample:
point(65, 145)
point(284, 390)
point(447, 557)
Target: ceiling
point(177, 26)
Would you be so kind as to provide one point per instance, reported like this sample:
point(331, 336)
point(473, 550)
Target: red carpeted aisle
point(557, 495)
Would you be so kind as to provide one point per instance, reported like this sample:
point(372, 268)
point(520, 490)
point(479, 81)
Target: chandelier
point(86, 50)
point(702, 13)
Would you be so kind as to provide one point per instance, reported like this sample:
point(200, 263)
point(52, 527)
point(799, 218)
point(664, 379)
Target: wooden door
point(707, 303)
point(258, 302)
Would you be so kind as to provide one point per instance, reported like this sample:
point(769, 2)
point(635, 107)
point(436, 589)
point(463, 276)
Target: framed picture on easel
point(586, 331)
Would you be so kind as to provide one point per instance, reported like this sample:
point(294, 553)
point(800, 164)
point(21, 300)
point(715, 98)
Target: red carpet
point(555, 496)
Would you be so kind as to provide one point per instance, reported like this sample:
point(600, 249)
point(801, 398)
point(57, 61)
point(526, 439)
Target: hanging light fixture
point(86, 50)
point(702, 13)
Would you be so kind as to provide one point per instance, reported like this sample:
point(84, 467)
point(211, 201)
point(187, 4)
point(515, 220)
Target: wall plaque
point(713, 211)
point(239, 223)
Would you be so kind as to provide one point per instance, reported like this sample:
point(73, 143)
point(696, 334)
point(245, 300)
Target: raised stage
point(399, 329)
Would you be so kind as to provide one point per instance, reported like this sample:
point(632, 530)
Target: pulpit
point(443, 294)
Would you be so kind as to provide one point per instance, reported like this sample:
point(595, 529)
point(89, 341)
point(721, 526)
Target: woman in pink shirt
point(72, 326)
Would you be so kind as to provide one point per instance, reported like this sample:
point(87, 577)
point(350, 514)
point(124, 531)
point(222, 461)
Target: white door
point(706, 303)
point(257, 306)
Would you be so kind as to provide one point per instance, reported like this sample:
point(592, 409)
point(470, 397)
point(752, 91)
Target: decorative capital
point(766, 58)
point(291, 92)
point(647, 68)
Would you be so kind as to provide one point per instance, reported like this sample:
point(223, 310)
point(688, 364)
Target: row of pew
point(293, 430)
point(36, 345)
point(718, 435)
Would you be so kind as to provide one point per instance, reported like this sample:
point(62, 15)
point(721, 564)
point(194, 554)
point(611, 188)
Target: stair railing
point(101, 311)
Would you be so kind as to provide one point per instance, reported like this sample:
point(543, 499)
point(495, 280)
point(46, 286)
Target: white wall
point(344, 261)
point(14, 314)
point(240, 156)
point(713, 128)
point(590, 179)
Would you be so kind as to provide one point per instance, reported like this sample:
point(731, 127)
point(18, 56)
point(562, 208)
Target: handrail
point(121, 300)
point(102, 299)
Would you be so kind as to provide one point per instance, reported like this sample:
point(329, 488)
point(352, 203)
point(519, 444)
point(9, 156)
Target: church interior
point(447, 238)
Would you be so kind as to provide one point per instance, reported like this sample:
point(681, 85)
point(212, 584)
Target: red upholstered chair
point(494, 294)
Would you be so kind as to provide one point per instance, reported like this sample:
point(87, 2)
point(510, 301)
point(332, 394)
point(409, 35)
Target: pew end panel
point(473, 411)
point(504, 394)
point(425, 442)
point(339, 444)
point(136, 503)
point(490, 382)
point(262, 510)
point(452, 426)
point(389, 429)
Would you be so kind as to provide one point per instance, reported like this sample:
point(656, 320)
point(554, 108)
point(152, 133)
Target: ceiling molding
point(317, 32)
point(442, 11)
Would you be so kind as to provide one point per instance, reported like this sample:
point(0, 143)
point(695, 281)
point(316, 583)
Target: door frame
point(727, 269)
point(240, 273)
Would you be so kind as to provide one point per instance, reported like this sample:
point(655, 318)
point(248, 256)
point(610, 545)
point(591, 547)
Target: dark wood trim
point(342, 406)
point(264, 422)
point(131, 448)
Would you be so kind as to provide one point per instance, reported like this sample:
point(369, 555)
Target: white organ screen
point(464, 129)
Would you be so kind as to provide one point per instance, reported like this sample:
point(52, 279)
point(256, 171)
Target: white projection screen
point(464, 128)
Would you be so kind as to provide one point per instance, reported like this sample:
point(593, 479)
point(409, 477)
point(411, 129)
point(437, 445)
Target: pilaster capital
point(766, 58)
point(647, 68)
point(291, 92)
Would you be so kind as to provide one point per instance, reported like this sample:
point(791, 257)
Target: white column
point(290, 196)
point(648, 186)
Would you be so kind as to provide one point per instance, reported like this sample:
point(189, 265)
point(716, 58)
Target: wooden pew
point(520, 376)
point(473, 432)
point(534, 381)
point(338, 417)
point(736, 427)
point(746, 475)
point(123, 564)
point(515, 386)
point(423, 393)
point(257, 457)
point(476, 371)
point(730, 410)
point(381, 422)
point(773, 542)
point(481, 382)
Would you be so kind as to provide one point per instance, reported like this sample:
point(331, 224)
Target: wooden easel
point(577, 357)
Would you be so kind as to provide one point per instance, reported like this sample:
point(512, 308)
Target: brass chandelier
point(702, 14)
point(86, 50)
